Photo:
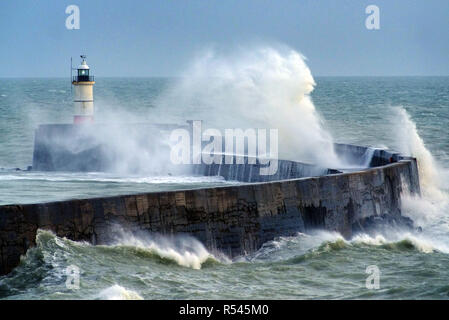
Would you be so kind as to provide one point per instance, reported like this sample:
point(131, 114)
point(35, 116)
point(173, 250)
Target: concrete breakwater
point(233, 219)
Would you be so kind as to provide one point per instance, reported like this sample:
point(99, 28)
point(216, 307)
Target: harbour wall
point(234, 219)
point(68, 147)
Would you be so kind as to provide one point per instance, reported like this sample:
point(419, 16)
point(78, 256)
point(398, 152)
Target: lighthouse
point(83, 84)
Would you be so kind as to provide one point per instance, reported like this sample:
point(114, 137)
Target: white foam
point(256, 87)
point(410, 143)
point(117, 292)
point(184, 250)
point(430, 210)
point(420, 241)
point(105, 177)
point(367, 239)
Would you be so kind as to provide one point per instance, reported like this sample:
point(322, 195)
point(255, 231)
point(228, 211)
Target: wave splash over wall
point(260, 87)
point(410, 143)
point(430, 210)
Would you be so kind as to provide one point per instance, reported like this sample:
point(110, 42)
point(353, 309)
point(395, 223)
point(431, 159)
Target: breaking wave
point(307, 247)
point(45, 265)
point(430, 209)
point(410, 143)
point(256, 87)
point(184, 250)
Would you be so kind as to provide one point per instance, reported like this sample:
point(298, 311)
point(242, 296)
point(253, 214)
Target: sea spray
point(429, 209)
point(261, 87)
point(410, 143)
point(256, 87)
point(183, 249)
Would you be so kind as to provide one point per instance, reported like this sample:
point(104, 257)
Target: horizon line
point(174, 76)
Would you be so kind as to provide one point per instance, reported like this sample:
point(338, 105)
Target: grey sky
point(158, 38)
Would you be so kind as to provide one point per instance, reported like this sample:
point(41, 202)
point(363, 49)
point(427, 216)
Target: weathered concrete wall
point(247, 172)
point(370, 157)
point(234, 219)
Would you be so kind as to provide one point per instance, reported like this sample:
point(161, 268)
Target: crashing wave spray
point(185, 250)
point(261, 87)
point(430, 210)
point(410, 143)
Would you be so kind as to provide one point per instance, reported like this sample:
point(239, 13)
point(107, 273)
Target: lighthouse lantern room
point(83, 84)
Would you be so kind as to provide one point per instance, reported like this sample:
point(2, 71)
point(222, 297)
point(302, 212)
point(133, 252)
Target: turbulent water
point(409, 114)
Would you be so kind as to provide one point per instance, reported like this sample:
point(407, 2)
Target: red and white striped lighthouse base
point(83, 119)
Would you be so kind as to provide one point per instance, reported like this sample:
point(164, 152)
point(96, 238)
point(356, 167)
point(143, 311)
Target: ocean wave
point(183, 250)
point(306, 247)
point(285, 248)
point(404, 242)
point(45, 266)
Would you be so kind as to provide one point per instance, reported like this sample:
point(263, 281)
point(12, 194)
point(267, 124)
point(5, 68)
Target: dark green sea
point(408, 114)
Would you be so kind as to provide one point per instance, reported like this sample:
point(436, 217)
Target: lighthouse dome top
point(83, 65)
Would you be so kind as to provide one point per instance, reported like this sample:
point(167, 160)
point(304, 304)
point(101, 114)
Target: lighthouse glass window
point(83, 72)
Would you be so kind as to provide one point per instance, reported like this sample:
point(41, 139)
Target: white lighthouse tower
point(84, 94)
